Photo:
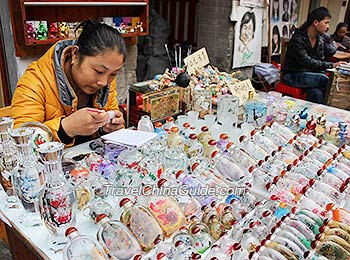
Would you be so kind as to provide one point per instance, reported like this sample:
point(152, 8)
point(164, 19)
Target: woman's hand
point(85, 121)
point(115, 124)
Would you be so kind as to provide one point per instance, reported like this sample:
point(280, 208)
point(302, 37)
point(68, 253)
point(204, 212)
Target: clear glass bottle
point(116, 239)
point(141, 224)
point(193, 147)
point(82, 247)
point(209, 148)
point(169, 123)
point(145, 124)
point(8, 159)
point(57, 201)
point(174, 138)
point(243, 159)
point(186, 131)
point(158, 129)
point(195, 186)
point(227, 167)
point(254, 150)
point(223, 141)
point(201, 237)
point(263, 141)
point(28, 175)
point(204, 136)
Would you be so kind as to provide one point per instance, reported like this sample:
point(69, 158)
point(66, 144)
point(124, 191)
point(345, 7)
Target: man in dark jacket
point(304, 61)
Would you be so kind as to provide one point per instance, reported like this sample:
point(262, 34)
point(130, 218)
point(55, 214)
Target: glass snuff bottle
point(57, 200)
point(165, 210)
point(116, 239)
point(141, 223)
point(82, 247)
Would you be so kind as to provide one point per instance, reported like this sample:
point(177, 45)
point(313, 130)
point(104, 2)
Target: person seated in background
point(329, 47)
point(339, 36)
point(304, 62)
point(72, 86)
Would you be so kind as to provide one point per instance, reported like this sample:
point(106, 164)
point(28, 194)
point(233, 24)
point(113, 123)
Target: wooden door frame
point(3, 73)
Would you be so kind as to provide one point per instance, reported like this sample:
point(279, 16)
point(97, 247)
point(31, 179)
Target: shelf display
point(38, 24)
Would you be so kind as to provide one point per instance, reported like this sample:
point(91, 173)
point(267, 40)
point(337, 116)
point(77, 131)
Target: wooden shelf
point(61, 3)
point(70, 11)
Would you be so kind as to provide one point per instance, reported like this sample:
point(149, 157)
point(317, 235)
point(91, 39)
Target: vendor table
point(30, 242)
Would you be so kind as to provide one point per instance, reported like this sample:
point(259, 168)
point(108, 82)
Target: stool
point(291, 91)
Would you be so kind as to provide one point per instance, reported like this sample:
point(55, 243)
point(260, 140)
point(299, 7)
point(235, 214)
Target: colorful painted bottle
point(141, 224)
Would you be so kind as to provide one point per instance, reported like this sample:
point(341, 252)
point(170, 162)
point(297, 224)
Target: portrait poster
point(252, 3)
point(283, 22)
point(248, 37)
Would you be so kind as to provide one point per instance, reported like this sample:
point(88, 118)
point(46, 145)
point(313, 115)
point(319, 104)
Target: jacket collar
point(66, 93)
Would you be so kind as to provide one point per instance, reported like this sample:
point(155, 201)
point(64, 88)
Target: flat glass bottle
point(141, 224)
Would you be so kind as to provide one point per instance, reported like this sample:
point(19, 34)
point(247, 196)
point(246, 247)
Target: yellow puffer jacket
point(43, 94)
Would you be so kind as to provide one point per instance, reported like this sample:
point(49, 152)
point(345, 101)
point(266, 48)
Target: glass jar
point(57, 201)
point(256, 113)
point(202, 101)
point(8, 159)
point(28, 175)
point(228, 110)
point(145, 124)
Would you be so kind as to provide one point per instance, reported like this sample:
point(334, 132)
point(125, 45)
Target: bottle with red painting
point(57, 200)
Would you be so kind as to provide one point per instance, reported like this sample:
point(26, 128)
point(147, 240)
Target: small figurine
point(53, 31)
point(138, 27)
point(63, 29)
point(321, 125)
point(294, 123)
point(303, 117)
point(342, 130)
point(31, 32)
point(310, 126)
point(42, 31)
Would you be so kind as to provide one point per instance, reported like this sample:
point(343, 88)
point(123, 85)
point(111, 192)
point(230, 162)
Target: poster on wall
point(283, 22)
point(252, 3)
point(248, 33)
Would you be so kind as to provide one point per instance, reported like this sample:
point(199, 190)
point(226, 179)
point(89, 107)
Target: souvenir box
point(158, 104)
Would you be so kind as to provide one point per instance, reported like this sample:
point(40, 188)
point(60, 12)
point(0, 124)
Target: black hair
point(247, 17)
point(275, 30)
point(318, 14)
point(341, 25)
point(285, 31)
point(278, 9)
point(97, 37)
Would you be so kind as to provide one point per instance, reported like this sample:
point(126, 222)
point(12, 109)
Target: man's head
point(319, 18)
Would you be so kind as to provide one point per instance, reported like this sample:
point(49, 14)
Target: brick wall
point(216, 31)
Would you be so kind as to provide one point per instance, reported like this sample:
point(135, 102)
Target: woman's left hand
point(116, 123)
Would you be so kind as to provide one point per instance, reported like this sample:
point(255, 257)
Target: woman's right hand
point(85, 121)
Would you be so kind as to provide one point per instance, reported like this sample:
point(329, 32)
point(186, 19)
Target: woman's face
point(94, 72)
point(275, 5)
point(247, 32)
point(275, 38)
point(342, 32)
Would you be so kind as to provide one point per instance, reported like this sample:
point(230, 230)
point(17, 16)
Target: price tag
point(196, 60)
point(244, 90)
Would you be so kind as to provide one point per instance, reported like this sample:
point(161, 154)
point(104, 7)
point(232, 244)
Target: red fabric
point(291, 91)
